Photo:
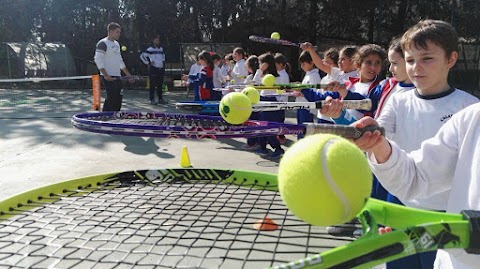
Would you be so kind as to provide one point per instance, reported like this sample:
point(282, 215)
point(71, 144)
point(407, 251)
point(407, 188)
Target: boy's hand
point(333, 108)
point(373, 142)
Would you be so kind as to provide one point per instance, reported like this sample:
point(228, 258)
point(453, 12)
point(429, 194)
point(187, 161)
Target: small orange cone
point(185, 159)
point(265, 224)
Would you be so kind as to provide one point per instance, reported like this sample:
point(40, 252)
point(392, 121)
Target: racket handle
point(365, 104)
point(345, 131)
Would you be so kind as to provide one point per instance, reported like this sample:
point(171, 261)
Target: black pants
point(113, 101)
point(156, 82)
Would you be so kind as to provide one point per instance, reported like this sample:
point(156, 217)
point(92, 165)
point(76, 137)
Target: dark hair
point(112, 26)
point(348, 50)
point(270, 60)
point(366, 50)
point(438, 32)
point(239, 51)
point(333, 54)
point(207, 57)
point(229, 56)
point(216, 56)
point(305, 57)
point(281, 59)
point(396, 45)
point(252, 62)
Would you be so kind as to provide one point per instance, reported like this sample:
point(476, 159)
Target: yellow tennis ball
point(268, 80)
point(252, 94)
point(324, 179)
point(235, 108)
point(124, 48)
point(275, 35)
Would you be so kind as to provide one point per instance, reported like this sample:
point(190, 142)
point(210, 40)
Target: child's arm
point(312, 95)
point(316, 58)
point(198, 78)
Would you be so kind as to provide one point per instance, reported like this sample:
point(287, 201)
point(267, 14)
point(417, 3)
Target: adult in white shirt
point(110, 63)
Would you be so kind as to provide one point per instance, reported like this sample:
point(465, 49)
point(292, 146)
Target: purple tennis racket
point(282, 42)
point(165, 125)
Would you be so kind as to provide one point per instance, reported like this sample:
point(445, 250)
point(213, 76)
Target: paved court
point(37, 151)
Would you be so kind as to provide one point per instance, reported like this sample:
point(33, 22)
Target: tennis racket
point(278, 86)
point(153, 124)
point(261, 39)
point(365, 104)
point(262, 93)
point(203, 218)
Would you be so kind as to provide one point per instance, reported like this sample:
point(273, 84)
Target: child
point(267, 66)
point(346, 68)
point(226, 65)
point(330, 58)
point(239, 72)
point(203, 81)
point(218, 79)
point(252, 66)
point(282, 68)
point(430, 49)
point(312, 76)
point(194, 70)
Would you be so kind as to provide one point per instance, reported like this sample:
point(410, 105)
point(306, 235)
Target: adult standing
point(110, 64)
point(154, 57)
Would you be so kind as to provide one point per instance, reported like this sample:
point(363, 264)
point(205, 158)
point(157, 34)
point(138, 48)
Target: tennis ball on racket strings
point(324, 179)
point(275, 35)
point(235, 108)
point(124, 48)
point(268, 80)
point(252, 94)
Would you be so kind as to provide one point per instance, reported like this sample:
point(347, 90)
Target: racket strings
point(164, 222)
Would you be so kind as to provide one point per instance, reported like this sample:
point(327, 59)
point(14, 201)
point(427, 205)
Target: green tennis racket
point(208, 218)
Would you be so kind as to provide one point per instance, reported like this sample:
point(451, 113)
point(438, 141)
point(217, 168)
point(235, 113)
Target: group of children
point(413, 104)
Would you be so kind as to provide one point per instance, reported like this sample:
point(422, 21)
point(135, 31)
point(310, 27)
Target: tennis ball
point(235, 108)
point(252, 94)
point(124, 48)
point(324, 179)
point(275, 35)
point(268, 80)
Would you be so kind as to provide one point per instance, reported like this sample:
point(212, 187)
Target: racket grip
point(365, 104)
point(345, 131)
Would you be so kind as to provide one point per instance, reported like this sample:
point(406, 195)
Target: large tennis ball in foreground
point(268, 80)
point(252, 94)
point(275, 35)
point(235, 108)
point(324, 179)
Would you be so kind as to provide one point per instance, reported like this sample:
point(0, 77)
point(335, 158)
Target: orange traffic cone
point(185, 159)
